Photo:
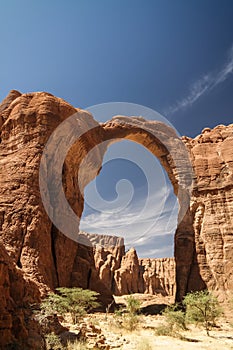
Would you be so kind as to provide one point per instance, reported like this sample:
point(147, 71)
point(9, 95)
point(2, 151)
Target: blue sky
point(132, 197)
point(173, 56)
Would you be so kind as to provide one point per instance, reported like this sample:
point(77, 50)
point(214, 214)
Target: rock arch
point(27, 121)
point(36, 252)
point(164, 143)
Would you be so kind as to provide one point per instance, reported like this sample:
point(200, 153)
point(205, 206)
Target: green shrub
point(174, 322)
point(52, 342)
point(163, 330)
point(202, 308)
point(128, 317)
point(132, 305)
point(130, 321)
point(76, 301)
point(175, 318)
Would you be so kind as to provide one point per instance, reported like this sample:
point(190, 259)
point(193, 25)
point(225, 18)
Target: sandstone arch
point(163, 142)
point(27, 122)
point(203, 240)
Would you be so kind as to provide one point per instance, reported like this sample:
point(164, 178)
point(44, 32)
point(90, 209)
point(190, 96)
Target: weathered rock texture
point(212, 208)
point(158, 276)
point(48, 259)
point(33, 244)
point(124, 273)
point(17, 293)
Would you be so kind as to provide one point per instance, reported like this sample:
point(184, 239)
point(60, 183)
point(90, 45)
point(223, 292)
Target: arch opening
point(160, 139)
point(132, 197)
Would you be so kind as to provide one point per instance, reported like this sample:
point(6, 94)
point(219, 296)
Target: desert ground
point(105, 331)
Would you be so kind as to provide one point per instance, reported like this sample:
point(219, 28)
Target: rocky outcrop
point(40, 254)
point(126, 278)
point(124, 273)
point(158, 276)
point(212, 208)
point(17, 293)
point(34, 245)
point(108, 254)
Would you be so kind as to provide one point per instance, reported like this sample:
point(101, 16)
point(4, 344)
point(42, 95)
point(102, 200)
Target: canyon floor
point(106, 331)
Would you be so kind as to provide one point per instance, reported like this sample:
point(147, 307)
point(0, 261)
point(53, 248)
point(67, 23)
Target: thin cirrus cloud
point(204, 85)
point(150, 231)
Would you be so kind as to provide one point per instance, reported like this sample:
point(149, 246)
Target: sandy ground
point(144, 337)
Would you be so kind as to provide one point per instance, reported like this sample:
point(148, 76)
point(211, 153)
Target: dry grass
point(143, 335)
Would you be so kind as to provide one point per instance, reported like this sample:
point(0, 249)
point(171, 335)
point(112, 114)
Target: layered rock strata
point(36, 249)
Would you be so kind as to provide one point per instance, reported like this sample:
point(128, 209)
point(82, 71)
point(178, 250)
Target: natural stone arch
point(164, 143)
point(27, 121)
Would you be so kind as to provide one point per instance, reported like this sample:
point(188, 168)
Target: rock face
point(33, 245)
point(158, 276)
point(149, 276)
point(212, 208)
point(37, 253)
point(16, 295)
point(123, 273)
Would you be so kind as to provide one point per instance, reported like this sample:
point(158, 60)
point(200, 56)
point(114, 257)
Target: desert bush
point(130, 321)
point(132, 305)
point(130, 316)
point(52, 342)
point(202, 308)
point(76, 301)
point(163, 330)
point(175, 318)
point(174, 322)
point(127, 317)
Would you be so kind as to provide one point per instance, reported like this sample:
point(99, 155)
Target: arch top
point(161, 140)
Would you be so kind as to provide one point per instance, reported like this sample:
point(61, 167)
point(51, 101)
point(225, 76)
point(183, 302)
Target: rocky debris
point(87, 333)
point(103, 336)
point(93, 336)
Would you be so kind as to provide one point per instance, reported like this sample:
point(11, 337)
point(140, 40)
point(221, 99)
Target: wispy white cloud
point(137, 226)
point(147, 220)
point(166, 251)
point(204, 85)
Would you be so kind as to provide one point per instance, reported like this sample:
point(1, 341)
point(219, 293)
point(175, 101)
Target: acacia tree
point(202, 308)
point(76, 301)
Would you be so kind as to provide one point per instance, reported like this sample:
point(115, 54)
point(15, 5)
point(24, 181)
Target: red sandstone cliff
point(35, 251)
point(36, 257)
point(212, 207)
point(124, 273)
